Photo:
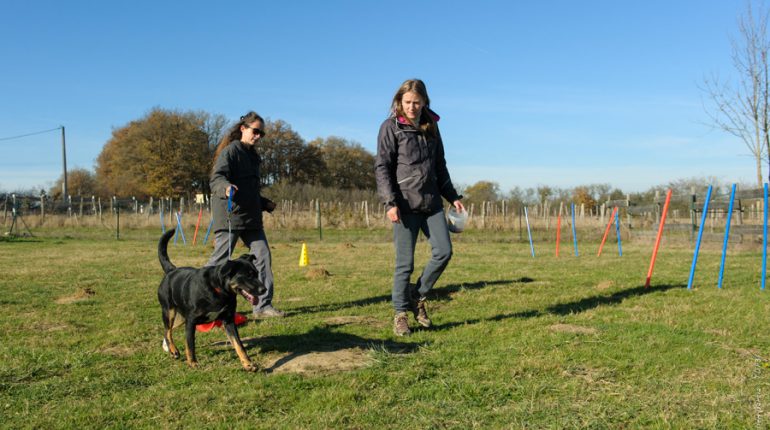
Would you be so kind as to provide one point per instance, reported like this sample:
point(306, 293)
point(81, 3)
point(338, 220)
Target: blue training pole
point(617, 229)
point(529, 233)
point(179, 227)
point(727, 236)
point(764, 242)
point(574, 234)
point(208, 231)
point(700, 236)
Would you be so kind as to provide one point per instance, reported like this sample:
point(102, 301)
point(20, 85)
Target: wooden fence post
point(483, 214)
point(693, 216)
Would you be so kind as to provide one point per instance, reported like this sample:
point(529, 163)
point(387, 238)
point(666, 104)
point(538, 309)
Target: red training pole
point(197, 224)
point(558, 233)
point(607, 231)
point(657, 239)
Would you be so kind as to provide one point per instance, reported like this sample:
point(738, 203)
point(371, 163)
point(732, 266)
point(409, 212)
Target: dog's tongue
point(249, 298)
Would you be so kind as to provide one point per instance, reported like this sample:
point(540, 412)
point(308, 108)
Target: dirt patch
point(82, 295)
point(347, 245)
point(569, 328)
point(317, 273)
point(118, 351)
point(319, 362)
point(604, 285)
point(717, 332)
point(367, 321)
point(48, 327)
point(747, 353)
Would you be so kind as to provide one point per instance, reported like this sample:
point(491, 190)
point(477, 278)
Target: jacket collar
point(402, 120)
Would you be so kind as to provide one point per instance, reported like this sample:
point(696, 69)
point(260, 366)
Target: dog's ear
point(251, 258)
point(227, 269)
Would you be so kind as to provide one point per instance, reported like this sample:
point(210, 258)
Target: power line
point(29, 134)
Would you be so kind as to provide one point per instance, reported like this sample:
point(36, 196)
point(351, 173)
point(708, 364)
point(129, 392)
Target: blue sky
point(558, 93)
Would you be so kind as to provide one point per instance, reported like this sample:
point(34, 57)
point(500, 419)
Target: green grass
point(518, 342)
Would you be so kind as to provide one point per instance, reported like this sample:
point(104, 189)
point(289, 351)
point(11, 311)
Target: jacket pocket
point(409, 149)
point(416, 192)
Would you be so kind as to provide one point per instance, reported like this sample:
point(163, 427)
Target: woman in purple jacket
point(412, 177)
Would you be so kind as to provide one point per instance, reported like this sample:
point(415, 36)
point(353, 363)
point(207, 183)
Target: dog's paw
point(251, 367)
point(193, 364)
point(166, 348)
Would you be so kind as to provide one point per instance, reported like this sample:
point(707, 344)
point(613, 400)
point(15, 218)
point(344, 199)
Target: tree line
point(170, 153)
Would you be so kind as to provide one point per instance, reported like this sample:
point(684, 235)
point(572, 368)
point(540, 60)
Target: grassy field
point(569, 342)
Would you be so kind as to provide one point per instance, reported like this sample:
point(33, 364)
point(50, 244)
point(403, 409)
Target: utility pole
point(64, 161)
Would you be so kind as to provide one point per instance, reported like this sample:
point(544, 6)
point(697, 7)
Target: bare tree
point(741, 108)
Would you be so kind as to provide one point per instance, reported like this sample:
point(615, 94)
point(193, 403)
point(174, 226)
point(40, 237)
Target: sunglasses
point(256, 131)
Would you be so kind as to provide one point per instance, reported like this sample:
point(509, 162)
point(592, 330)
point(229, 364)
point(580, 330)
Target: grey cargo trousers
point(256, 241)
point(405, 234)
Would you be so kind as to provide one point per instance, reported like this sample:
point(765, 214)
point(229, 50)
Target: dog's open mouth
point(249, 298)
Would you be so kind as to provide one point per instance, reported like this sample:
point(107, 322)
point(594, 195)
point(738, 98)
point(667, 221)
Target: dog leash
point(229, 224)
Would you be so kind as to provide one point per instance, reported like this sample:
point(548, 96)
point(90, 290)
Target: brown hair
point(426, 122)
point(234, 133)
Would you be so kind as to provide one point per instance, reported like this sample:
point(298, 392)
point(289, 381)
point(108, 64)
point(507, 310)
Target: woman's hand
point(459, 206)
point(230, 190)
point(393, 214)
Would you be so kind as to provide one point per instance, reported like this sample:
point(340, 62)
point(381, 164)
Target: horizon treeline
point(169, 153)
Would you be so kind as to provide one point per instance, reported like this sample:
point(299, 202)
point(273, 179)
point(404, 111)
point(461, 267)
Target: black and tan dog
point(193, 296)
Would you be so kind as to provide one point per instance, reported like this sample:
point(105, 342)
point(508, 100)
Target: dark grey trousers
point(256, 241)
point(405, 238)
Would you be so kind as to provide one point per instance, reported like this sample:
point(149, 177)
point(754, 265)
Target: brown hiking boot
point(268, 312)
point(420, 314)
point(401, 324)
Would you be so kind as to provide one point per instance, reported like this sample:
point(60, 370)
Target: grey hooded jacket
point(410, 168)
point(237, 164)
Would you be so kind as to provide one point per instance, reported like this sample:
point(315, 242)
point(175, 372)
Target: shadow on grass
point(575, 307)
point(441, 293)
point(19, 239)
point(592, 302)
point(319, 339)
point(445, 293)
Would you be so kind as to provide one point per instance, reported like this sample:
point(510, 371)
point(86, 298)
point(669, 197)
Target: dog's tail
point(165, 262)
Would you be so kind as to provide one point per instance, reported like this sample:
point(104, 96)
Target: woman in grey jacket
point(412, 177)
point(236, 173)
